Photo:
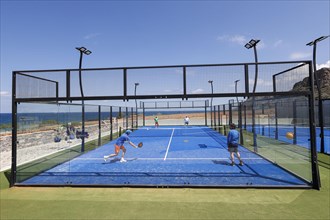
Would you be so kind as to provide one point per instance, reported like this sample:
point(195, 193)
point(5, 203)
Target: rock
point(323, 77)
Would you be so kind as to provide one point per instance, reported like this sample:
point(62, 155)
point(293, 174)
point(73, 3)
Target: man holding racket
point(156, 122)
point(119, 145)
point(232, 142)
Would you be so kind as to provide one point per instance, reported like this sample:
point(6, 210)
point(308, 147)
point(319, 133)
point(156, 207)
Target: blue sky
point(44, 34)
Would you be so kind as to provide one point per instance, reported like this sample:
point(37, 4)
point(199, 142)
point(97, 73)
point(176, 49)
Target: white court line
point(169, 143)
point(159, 158)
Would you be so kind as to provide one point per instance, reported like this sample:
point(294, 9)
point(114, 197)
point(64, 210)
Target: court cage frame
point(57, 96)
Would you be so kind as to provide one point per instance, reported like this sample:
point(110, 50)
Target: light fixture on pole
point(82, 51)
point(318, 84)
point(253, 44)
point(136, 107)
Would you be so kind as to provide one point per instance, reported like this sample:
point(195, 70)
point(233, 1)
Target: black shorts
point(232, 147)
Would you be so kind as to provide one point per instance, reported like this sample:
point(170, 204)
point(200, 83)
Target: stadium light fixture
point(314, 43)
point(84, 50)
point(317, 40)
point(253, 44)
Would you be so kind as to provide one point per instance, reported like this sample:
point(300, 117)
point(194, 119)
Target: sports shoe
point(122, 160)
point(241, 163)
point(105, 158)
point(232, 163)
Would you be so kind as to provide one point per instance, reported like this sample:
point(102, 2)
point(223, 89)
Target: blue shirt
point(233, 137)
point(121, 140)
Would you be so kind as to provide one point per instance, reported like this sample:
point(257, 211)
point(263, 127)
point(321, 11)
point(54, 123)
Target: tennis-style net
point(172, 132)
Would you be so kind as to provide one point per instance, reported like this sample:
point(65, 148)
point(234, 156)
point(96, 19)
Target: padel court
point(172, 156)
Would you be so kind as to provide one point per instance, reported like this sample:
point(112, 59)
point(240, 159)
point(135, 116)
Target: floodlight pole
point(82, 51)
point(136, 107)
point(211, 82)
point(318, 84)
point(253, 44)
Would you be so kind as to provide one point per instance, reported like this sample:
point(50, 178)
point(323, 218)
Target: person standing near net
point(156, 122)
point(186, 121)
point(232, 142)
point(119, 145)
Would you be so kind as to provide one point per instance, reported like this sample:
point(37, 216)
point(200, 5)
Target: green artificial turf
point(157, 203)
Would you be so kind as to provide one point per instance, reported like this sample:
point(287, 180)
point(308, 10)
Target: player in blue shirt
point(232, 142)
point(119, 145)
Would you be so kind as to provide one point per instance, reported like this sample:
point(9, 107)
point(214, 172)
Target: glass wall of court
point(275, 123)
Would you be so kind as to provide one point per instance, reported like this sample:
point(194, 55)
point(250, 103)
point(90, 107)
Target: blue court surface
point(170, 157)
point(302, 135)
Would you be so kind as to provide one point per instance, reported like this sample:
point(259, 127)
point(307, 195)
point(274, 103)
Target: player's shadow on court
point(112, 161)
point(115, 160)
point(208, 146)
point(221, 162)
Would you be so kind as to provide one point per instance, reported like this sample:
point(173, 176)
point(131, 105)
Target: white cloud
point(90, 36)
point(197, 91)
point(299, 55)
point(4, 93)
point(261, 45)
point(238, 39)
point(320, 66)
point(278, 43)
point(260, 82)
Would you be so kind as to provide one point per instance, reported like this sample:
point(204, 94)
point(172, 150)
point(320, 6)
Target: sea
point(6, 118)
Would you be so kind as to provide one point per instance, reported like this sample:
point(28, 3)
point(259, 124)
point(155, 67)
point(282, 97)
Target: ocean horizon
point(6, 118)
